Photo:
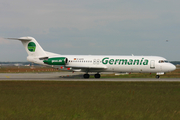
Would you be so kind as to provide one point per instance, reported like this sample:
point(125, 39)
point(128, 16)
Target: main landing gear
point(97, 75)
point(87, 75)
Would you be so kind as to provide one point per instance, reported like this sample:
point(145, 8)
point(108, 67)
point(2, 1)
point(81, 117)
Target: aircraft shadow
point(72, 76)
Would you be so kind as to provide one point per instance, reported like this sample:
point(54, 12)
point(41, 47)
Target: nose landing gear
point(157, 76)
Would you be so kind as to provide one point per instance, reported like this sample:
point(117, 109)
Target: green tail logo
point(32, 47)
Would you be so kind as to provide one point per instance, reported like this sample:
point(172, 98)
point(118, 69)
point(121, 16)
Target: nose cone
point(172, 67)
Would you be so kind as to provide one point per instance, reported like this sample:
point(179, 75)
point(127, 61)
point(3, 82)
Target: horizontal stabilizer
point(21, 39)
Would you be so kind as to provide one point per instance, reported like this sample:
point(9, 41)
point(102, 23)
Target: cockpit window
point(163, 61)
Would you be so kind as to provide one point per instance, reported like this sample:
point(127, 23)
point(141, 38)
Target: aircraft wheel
point(86, 75)
point(157, 76)
point(97, 75)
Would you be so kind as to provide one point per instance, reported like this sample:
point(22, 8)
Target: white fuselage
point(108, 63)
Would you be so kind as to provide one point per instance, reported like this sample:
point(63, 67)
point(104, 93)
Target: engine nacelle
point(56, 61)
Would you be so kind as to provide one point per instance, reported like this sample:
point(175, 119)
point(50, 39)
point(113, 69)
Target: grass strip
point(89, 100)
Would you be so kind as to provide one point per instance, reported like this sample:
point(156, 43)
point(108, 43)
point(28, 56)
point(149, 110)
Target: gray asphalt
point(67, 76)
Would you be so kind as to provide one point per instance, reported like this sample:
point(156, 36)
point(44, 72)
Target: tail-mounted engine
point(56, 61)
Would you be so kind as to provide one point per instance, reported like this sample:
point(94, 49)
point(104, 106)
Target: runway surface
point(67, 76)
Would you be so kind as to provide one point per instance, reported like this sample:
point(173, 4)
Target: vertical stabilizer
point(31, 46)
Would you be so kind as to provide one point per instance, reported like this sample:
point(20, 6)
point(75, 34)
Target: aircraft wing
point(86, 67)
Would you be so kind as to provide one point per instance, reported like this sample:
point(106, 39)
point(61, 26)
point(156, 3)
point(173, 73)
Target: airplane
point(95, 63)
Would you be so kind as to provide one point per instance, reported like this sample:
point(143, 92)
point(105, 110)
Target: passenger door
point(152, 64)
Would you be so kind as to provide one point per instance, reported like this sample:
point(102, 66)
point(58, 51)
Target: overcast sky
point(92, 27)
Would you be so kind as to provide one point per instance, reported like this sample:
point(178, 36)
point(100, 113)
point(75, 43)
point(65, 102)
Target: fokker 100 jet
point(95, 63)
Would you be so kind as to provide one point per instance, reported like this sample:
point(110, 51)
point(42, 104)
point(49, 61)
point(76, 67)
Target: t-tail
point(33, 49)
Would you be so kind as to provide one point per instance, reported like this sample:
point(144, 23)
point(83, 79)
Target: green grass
point(140, 75)
point(41, 100)
point(173, 74)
